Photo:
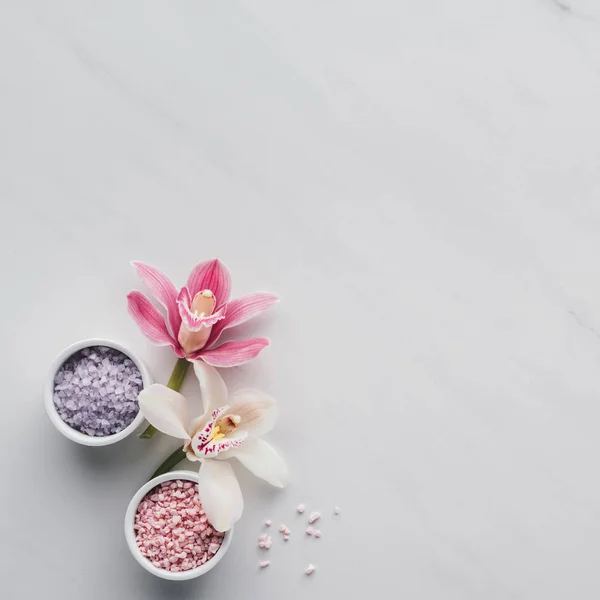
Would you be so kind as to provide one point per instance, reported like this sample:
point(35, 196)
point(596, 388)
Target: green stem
point(172, 460)
point(175, 382)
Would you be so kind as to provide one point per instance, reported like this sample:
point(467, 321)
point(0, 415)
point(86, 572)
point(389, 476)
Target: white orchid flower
point(230, 427)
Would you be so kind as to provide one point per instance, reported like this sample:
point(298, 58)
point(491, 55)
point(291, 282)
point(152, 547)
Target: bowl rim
point(48, 393)
point(130, 533)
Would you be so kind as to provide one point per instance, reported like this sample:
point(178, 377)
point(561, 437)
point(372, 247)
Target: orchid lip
point(216, 446)
point(214, 436)
point(198, 318)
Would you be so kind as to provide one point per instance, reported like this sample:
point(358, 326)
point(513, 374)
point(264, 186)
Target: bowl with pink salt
point(91, 392)
point(168, 532)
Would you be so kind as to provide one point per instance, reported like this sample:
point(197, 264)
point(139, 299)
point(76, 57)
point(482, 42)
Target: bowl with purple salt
point(91, 393)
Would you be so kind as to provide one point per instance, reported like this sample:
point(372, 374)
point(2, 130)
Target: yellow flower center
point(224, 426)
point(216, 433)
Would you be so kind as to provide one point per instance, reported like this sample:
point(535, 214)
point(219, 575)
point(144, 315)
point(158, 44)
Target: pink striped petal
point(241, 310)
point(149, 319)
point(211, 275)
point(232, 354)
point(162, 288)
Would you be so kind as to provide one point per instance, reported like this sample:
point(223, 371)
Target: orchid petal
point(263, 460)
point(166, 410)
point(149, 319)
point(212, 386)
point(220, 494)
point(189, 454)
point(258, 411)
point(241, 310)
point(163, 289)
point(211, 275)
point(183, 297)
point(232, 354)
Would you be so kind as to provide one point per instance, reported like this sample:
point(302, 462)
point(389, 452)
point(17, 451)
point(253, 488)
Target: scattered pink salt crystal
point(336, 510)
point(286, 537)
point(268, 522)
point(309, 570)
point(301, 508)
point(309, 531)
point(282, 528)
point(315, 516)
point(265, 563)
point(317, 533)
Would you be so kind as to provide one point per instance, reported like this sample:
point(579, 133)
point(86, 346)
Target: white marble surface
point(418, 180)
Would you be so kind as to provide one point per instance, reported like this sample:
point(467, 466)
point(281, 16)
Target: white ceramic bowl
point(66, 430)
point(130, 532)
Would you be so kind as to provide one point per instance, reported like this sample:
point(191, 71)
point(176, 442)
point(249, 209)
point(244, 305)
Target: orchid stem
point(175, 382)
point(172, 460)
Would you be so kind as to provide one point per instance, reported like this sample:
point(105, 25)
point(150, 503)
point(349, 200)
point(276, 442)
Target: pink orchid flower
point(198, 314)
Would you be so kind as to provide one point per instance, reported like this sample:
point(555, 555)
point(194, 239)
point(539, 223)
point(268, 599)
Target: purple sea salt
point(96, 390)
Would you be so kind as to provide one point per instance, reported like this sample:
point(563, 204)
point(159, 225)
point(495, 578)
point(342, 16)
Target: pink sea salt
point(172, 530)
